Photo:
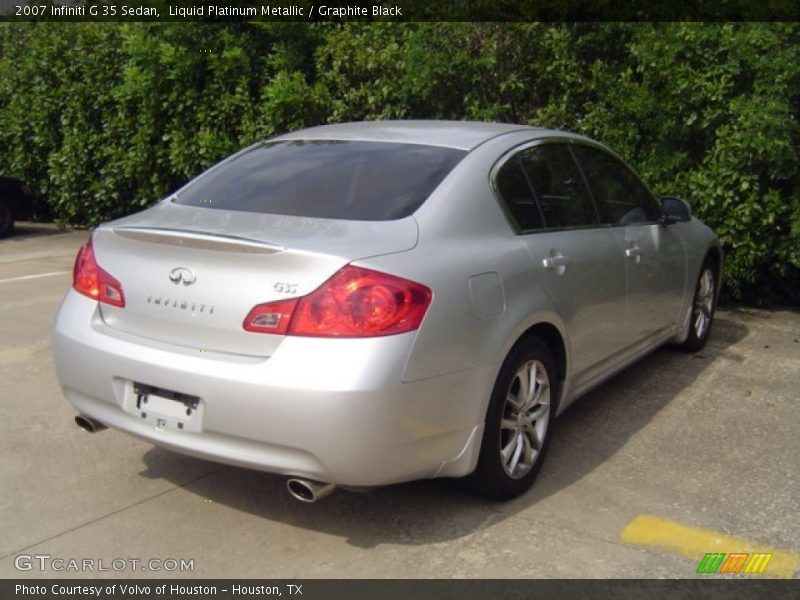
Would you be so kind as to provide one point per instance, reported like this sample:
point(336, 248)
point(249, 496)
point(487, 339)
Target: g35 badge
point(283, 287)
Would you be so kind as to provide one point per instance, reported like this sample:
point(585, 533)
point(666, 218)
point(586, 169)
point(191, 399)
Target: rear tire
point(6, 219)
point(518, 423)
point(703, 306)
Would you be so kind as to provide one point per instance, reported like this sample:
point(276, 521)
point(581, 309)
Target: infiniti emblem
point(181, 275)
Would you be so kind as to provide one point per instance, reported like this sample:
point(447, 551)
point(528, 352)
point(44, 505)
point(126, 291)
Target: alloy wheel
point(704, 303)
point(525, 419)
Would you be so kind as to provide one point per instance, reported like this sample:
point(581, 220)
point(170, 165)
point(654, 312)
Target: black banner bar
point(707, 587)
point(396, 11)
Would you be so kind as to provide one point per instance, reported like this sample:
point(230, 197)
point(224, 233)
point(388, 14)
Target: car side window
point(558, 186)
point(517, 195)
point(620, 197)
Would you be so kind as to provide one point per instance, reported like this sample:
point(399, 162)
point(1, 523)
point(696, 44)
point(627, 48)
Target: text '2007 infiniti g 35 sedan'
point(370, 303)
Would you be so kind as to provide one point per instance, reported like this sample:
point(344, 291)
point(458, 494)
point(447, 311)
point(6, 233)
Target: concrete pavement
point(708, 441)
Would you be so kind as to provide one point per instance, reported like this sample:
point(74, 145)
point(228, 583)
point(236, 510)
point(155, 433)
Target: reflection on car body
point(391, 301)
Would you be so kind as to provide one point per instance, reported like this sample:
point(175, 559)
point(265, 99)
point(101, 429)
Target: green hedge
point(107, 118)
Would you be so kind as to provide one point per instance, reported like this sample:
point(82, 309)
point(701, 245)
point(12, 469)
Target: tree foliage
point(107, 118)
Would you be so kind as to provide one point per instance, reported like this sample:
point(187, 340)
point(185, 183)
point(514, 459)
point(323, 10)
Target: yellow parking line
point(694, 543)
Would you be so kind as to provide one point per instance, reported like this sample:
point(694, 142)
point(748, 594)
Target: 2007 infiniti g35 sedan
point(369, 303)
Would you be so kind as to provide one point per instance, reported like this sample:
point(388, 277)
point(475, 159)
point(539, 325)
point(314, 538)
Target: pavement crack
point(112, 513)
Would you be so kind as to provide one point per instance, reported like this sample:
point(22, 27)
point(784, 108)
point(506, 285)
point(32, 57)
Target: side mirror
point(675, 210)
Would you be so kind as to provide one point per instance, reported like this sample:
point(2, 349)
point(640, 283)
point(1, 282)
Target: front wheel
point(703, 307)
point(518, 423)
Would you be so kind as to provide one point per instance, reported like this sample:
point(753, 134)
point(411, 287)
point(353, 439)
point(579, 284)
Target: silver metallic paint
point(367, 411)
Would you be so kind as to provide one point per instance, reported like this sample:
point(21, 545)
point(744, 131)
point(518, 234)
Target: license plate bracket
point(163, 402)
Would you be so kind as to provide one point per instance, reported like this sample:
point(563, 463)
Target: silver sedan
point(369, 303)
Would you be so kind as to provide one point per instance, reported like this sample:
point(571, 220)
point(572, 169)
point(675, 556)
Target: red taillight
point(273, 317)
point(90, 279)
point(355, 302)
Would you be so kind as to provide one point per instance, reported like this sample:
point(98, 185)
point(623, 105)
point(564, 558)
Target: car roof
point(464, 135)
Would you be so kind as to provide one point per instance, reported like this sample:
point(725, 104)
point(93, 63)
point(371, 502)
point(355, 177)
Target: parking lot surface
point(677, 456)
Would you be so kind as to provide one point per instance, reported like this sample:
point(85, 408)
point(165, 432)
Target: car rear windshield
point(353, 180)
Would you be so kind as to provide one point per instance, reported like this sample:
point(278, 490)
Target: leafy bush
point(107, 118)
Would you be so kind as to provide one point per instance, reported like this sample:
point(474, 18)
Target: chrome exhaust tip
point(89, 424)
point(308, 491)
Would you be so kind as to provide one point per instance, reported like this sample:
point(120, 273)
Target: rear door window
point(558, 187)
point(331, 179)
point(542, 188)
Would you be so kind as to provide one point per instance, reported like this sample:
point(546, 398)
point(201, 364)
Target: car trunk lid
point(191, 281)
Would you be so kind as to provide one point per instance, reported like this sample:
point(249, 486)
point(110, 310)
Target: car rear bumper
point(329, 410)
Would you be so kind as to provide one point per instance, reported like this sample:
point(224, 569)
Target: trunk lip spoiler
point(189, 238)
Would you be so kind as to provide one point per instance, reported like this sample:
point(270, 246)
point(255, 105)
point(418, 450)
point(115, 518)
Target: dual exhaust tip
point(88, 424)
point(308, 491)
point(303, 490)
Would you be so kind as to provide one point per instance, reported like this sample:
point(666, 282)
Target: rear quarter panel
point(463, 233)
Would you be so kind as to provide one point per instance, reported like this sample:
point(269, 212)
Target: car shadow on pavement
point(599, 424)
point(587, 435)
point(26, 230)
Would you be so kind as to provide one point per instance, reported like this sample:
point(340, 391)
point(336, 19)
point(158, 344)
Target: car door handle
point(634, 252)
point(554, 262)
